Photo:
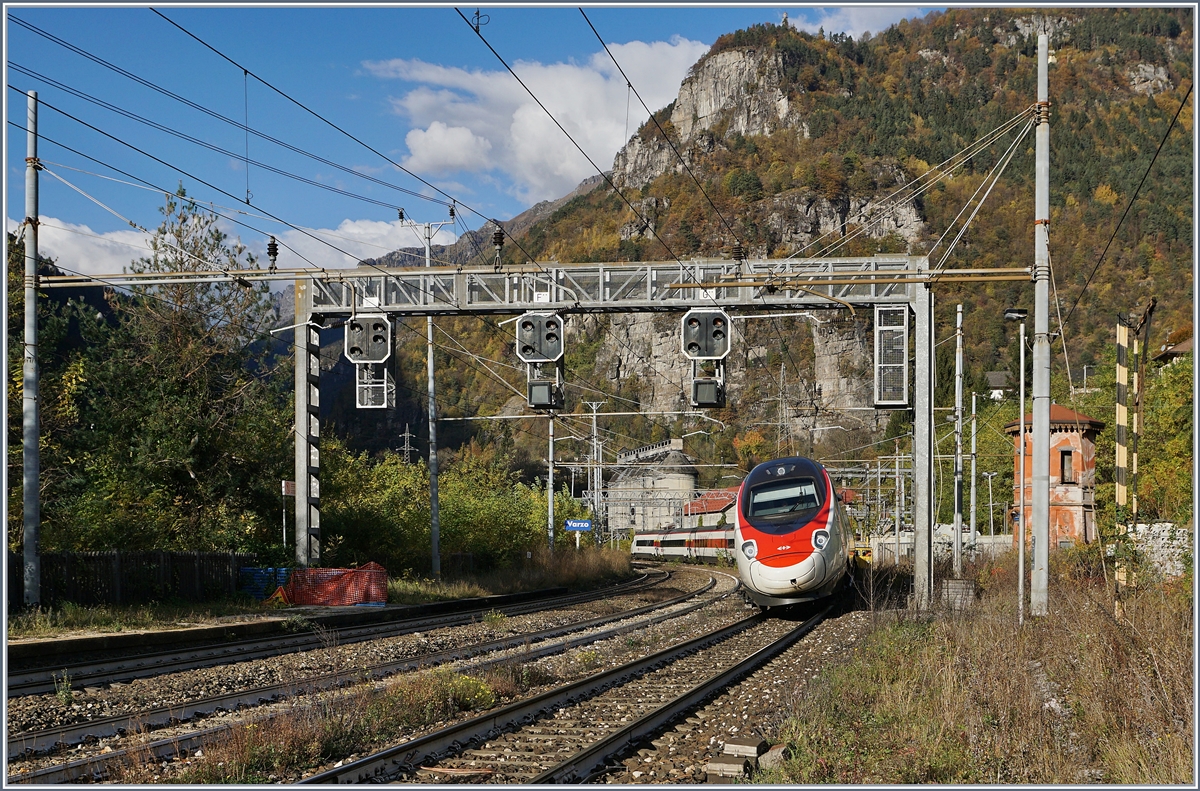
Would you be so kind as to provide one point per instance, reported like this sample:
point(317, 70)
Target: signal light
point(706, 334)
point(539, 338)
point(368, 338)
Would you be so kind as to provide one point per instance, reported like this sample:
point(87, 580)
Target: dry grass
point(1080, 696)
point(338, 725)
point(71, 617)
point(586, 568)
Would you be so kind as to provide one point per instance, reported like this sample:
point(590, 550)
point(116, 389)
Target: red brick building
point(1072, 476)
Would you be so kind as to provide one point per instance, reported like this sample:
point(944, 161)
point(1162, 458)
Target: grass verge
point(586, 568)
point(339, 725)
point(71, 617)
point(1079, 696)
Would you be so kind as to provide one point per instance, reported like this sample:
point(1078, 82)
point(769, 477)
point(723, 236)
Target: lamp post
point(1019, 314)
point(991, 514)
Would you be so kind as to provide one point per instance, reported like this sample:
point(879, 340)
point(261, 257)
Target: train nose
point(807, 572)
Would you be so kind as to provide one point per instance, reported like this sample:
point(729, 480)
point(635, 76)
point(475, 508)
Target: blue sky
point(416, 84)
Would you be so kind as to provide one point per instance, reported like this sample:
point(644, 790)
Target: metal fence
point(130, 577)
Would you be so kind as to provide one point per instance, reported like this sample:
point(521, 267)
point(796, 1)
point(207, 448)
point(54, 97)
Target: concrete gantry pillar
point(1038, 593)
point(923, 447)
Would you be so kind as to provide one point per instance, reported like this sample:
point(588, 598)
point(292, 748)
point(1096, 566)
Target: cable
point(939, 172)
point(660, 129)
point(993, 178)
point(276, 218)
point(212, 113)
point(197, 141)
point(1129, 205)
point(388, 159)
point(168, 192)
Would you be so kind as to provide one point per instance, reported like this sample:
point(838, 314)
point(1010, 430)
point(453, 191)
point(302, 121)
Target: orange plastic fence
point(336, 587)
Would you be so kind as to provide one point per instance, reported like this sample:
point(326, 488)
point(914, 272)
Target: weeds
point(113, 618)
point(339, 725)
point(296, 623)
point(62, 688)
point(1078, 696)
point(494, 618)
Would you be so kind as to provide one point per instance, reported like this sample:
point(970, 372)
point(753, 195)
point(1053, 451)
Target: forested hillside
point(868, 116)
point(799, 139)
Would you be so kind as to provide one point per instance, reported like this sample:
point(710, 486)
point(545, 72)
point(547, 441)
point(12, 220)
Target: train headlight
point(820, 539)
point(749, 549)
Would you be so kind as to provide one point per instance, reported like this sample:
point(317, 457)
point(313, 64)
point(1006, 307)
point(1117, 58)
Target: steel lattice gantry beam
point(629, 288)
point(619, 287)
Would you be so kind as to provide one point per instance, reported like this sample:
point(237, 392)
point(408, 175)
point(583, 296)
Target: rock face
point(741, 88)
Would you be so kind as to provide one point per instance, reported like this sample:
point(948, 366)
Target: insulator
point(498, 238)
point(400, 214)
point(738, 253)
point(452, 211)
point(272, 252)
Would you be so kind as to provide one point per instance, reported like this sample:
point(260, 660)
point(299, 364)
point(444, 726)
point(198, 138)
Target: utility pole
point(550, 487)
point(958, 461)
point(595, 470)
point(1039, 593)
point(899, 502)
point(1021, 519)
point(923, 448)
point(991, 523)
point(434, 520)
point(973, 460)
point(31, 415)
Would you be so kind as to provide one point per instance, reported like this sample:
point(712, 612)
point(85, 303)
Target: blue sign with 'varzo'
point(579, 524)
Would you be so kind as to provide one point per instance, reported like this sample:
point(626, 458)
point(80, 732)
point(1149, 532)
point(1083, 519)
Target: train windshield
point(784, 497)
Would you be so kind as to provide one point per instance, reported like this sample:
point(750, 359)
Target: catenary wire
point(1129, 205)
point(388, 159)
point(212, 113)
point(197, 141)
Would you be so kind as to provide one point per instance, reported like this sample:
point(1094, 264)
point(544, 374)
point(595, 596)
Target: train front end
point(791, 537)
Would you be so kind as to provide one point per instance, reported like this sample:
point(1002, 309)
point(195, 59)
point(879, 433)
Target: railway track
point(577, 729)
point(536, 645)
point(97, 673)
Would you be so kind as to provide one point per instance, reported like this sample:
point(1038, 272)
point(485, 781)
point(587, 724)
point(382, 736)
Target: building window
point(1067, 466)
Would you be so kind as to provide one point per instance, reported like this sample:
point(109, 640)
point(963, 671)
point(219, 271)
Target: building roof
point(711, 502)
point(1174, 350)
point(1059, 416)
point(997, 380)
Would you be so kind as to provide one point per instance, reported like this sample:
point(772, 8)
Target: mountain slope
point(798, 140)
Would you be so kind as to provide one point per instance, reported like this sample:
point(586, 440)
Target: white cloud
point(444, 149)
point(854, 20)
point(361, 238)
point(522, 142)
point(78, 249)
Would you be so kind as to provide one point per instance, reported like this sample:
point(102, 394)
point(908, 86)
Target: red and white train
point(791, 537)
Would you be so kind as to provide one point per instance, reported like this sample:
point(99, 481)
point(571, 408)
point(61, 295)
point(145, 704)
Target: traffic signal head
point(705, 334)
point(545, 394)
point(368, 338)
point(708, 393)
point(540, 337)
